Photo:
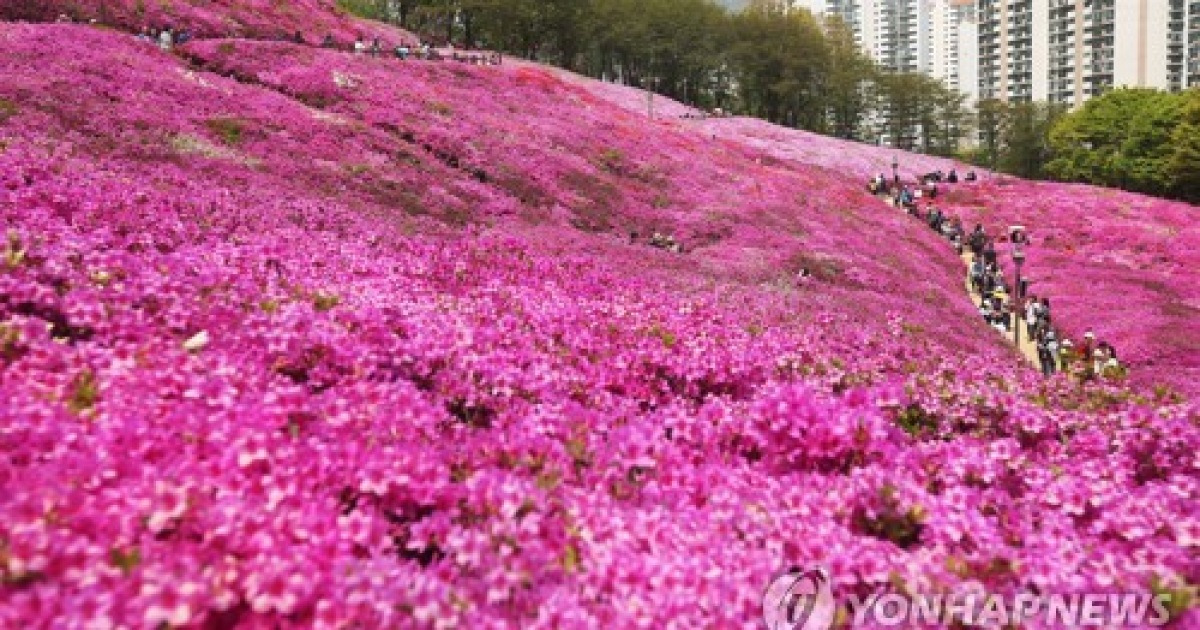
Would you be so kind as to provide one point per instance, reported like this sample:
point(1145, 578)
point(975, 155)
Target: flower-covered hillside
point(273, 363)
point(260, 19)
point(432, 145)
point(854, 161)
point(1118, 263)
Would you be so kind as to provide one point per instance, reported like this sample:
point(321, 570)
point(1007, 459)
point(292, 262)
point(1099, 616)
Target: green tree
point(1183, 165)
point(921, 113)
point(1026, 142)
point(675, 47)
point(1123, 139)
point(782, 62)
point(992, 119)
point(849, 86)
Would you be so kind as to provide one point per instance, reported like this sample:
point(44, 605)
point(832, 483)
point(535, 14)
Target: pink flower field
point(1120, 264)
point(265, 19)
point(292, 338)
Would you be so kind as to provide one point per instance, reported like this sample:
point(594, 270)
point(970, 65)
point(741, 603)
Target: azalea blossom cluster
point(255, 19)
point(293, 338)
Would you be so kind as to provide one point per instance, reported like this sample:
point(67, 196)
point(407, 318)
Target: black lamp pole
point(1018, 256)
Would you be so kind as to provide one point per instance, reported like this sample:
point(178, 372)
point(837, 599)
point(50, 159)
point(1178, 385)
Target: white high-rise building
point(934, 37)
point(1191, 20)
point(1067, 51)
point(953, 45)
point(1063, 51)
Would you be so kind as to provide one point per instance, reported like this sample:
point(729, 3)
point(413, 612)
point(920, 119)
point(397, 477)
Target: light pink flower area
point(291, 338)
point(261, 19)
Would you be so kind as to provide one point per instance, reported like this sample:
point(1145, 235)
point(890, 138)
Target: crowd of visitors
point(705, 115)
point(665, 241)
point(403, 51)
point(1002, 305)
point(166, 37)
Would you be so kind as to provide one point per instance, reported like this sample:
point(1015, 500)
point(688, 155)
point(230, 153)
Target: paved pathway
point(1027, 347)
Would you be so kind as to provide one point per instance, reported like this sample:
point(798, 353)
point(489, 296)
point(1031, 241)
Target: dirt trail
point(1027, 347)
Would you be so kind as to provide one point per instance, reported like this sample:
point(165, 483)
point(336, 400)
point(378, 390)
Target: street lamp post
point(653, 83)
point(1017, 234)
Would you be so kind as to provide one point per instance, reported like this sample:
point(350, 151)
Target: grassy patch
point(593, 213)
point(891, 522)
point(916, 421)
point(11, 348)
point(8, 109)
point(821, 267)
point(14, 251)
point(325, 302)
point(231, 131)
point(84, 393)
point(667, 337)
point(611, 161)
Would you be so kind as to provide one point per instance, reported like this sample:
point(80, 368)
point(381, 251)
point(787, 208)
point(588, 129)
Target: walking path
point(1027, 347)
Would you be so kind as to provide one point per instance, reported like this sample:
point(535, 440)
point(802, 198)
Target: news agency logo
point(800, 600)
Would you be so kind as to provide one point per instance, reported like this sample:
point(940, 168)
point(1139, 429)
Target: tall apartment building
point(935, 37)
point(1192, 26)
point(953, 44)
point(1063, 51)
point(848, 10)
point(1013, 49)
point(899, 41)
point(1067, 51)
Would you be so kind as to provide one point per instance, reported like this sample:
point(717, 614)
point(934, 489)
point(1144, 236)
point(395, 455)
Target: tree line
point(1137, 139)
point(769, 60)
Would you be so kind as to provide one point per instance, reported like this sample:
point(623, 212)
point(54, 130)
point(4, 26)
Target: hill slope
point(290, 337)
point(1118, 263)
point(258, 19)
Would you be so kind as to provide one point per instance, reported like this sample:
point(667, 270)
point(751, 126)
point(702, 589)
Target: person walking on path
point(1086, 354)
point(166, 39)
point(977, 275)
point(1047, 347)
point(1033, 316)
point(977, 240)
point(1066, 352)
point(989, 253)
